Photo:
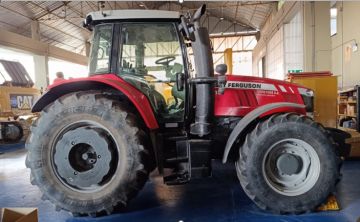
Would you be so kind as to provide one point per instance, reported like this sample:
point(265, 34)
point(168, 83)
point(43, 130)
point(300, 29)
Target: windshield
point(151, 56)
point(101, 49)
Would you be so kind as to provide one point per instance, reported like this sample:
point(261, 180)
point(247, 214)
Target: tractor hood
point(243, 94)
point(259, 80)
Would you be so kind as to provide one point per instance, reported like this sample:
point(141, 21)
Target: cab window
point(101, 49)
point(150, 58)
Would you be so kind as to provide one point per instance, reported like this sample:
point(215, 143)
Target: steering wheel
point(165, 61)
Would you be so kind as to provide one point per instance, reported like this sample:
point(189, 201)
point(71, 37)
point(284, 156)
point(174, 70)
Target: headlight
point(308, 97)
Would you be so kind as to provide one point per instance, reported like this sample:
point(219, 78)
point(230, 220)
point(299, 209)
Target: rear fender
point(259, 112)
point(137, 98)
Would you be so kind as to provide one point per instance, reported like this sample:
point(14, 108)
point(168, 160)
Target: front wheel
point(88, 154)
point(288, 164)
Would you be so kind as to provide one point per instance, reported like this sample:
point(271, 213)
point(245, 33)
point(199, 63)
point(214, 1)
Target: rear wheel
point(87, 154)
point(288, 164)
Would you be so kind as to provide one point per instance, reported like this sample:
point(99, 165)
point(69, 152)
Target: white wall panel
point(293, 44)
point(275, 56)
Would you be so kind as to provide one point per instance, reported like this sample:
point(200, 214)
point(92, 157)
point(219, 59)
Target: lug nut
point(75, 173)
point(72, 142)
point(99, 156)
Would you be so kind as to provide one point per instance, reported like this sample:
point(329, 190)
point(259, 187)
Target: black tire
point(125, 170)
point(253, 174)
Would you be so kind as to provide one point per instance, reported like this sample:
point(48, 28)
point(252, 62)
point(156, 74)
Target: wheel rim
point(291, 167)
point(84, 156)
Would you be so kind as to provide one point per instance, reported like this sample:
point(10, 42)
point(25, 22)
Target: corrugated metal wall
point(285, 50)
point(293, 44)
point(275, 56)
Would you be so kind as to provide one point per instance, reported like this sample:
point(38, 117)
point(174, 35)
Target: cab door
point(150, 57)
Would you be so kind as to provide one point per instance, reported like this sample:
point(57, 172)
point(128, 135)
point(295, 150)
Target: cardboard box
point(19, 215)
point(351, 109)
point(354, 141)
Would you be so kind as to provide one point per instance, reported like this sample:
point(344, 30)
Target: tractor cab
point(148, 55)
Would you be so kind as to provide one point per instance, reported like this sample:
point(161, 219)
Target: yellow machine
point(17, 96)
point(324, 85)
point(228, 60)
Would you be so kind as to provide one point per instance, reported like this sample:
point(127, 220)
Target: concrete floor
point(219, 198)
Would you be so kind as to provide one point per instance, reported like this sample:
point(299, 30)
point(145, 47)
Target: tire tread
point(262, 126)
point(135, 133)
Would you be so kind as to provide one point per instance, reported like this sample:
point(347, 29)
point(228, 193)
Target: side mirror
point(180, 81)
point(221, 69)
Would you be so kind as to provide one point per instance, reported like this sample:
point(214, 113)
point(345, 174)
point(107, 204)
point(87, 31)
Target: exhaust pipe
point(204, 68)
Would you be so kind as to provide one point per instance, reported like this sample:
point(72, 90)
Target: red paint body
point(139, 100)
point(239, 102)
point(234, 101)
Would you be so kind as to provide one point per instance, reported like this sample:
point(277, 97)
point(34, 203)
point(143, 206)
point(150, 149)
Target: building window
point(333, 17)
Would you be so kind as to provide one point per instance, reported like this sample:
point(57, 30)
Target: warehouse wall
point(317, 41)
point(260, 49)
point(294, 43)
point(306, 48)
point(345, 56)
point(275, 56)
point(270, 37)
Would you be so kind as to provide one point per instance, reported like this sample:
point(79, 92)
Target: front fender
point(250, 117)
point(100, 82)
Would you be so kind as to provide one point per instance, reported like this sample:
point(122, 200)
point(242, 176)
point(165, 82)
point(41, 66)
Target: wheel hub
point(82, 157)
point(289, 164)
point(291, 167)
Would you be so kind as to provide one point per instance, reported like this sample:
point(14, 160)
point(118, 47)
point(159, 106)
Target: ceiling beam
point(236, 10)
point(212, 14)
point(111, 8)
point(234, 5)
point(62, 32)
point(247, 33)
point(38, 18)
point(72, 8)
point(158, 4)
point(252, 16)
point(52, 13)
point(30, 45)
point(91, 6)
point(18, 13)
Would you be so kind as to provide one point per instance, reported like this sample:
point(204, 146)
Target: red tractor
point(142, 108)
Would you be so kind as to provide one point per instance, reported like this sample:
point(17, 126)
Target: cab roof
point(133, 14)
